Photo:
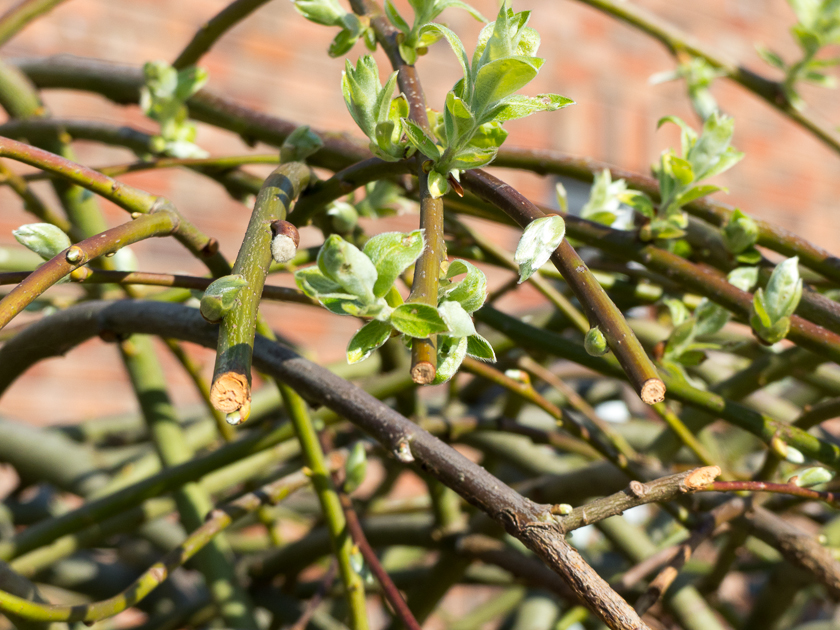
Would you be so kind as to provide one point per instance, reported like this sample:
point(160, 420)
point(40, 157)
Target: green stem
point(600, 309)
point(231, 388)
point(145, 226)
point(17, 17)
point(219, 519)
point(213, 29)
point(319, 473)
point(760, 425)
point(215, 561)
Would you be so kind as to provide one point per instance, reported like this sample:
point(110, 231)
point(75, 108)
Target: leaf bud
point(299, 145)
point(355, 467)
point(595, 342)
point(75, 255)
point(220, 296)
point(786, 451)
point(813, 477)
point(740, 233)
point(45, 239)
point(343, 216)
point(284, 242)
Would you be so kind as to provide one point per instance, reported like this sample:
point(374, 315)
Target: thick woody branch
point(600, 309)
point(530, 522)
point(637, 493)
point(231, 388)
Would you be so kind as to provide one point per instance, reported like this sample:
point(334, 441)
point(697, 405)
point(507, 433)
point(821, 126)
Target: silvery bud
point(220, 296)
point(284, 241)
point(45, 239)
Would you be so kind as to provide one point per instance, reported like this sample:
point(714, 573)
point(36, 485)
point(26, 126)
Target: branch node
point(700, 478)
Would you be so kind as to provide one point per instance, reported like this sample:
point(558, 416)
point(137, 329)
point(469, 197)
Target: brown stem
point(832, 498)
point(637, 493)
point(600, 309)
point(391, 592)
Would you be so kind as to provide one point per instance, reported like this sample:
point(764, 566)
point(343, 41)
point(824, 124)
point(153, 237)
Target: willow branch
point(231, 388)
point(545, 162)
point(831, 498)
point(18, 16)
point(215, 562)
point(86, 275)
point(529, 522)
point(760, 425)
point(600, 309)
point(160, 223)
point(637, 493)
point(681, 44)
point(123, 195)
point(213, 29)
point(391, 592)
point(218, 520)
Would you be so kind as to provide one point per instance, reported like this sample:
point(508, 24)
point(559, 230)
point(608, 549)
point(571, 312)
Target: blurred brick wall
point(275, 62)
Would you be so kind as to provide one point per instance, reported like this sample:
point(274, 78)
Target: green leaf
point(710, 317)
point(45, 239)
point(740, 233)
point(190, 80)
point(562, 197)
point(488, 136)
point(538, 242)
point(420, 140)
point(745, 278)
point(784, 289)
point(450, 355)
point(344, 263)
point(813, 477)
point(457, 118)
point(458, 321)
point(759, 311)
point(679, 339)
point(678, 311)
point(711, 154)
point(501, 78)
point(770, 57)
point(750, 256)
point(419, 321)
point(696, 192)
point(454, 42)
point(392, 253)
point(519, 106)
point(678, 168)
point(360, 87)
point(471, 157)
point(300, 144)
point(325, 12)
point(470, 292)
point(479, 348)
point(438, 185)
point(687, 135)
point(315, 284)
point(395, 18)
point(367, 339)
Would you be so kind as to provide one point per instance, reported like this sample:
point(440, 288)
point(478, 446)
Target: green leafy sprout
point(331, 13)
point(411, 42)
point(680, 176)
point(818, 25)
point(361, 283)
point(698, 75)
point(469, 132)
point(163, 98)
point(774, 305)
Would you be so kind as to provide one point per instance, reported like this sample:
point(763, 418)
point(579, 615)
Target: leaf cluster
point(331, 13)
point(163, 98)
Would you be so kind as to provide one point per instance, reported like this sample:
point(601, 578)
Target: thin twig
point(600, 309)
point(18, 16)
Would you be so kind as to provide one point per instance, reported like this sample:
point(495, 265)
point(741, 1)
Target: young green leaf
point(300, 144)
point(458, 321)
point(45, 239)
point(417, 320)
point(450, 355)
point(538, 242)
point(392, 253)
point(420, 140)
point(367, 339)
point(740, 233)
point(345, 264)
point(470, 292)
point(745, 278)
point(479, 348)
point(220, 297)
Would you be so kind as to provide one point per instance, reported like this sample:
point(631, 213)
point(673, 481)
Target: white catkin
point(282, 248)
